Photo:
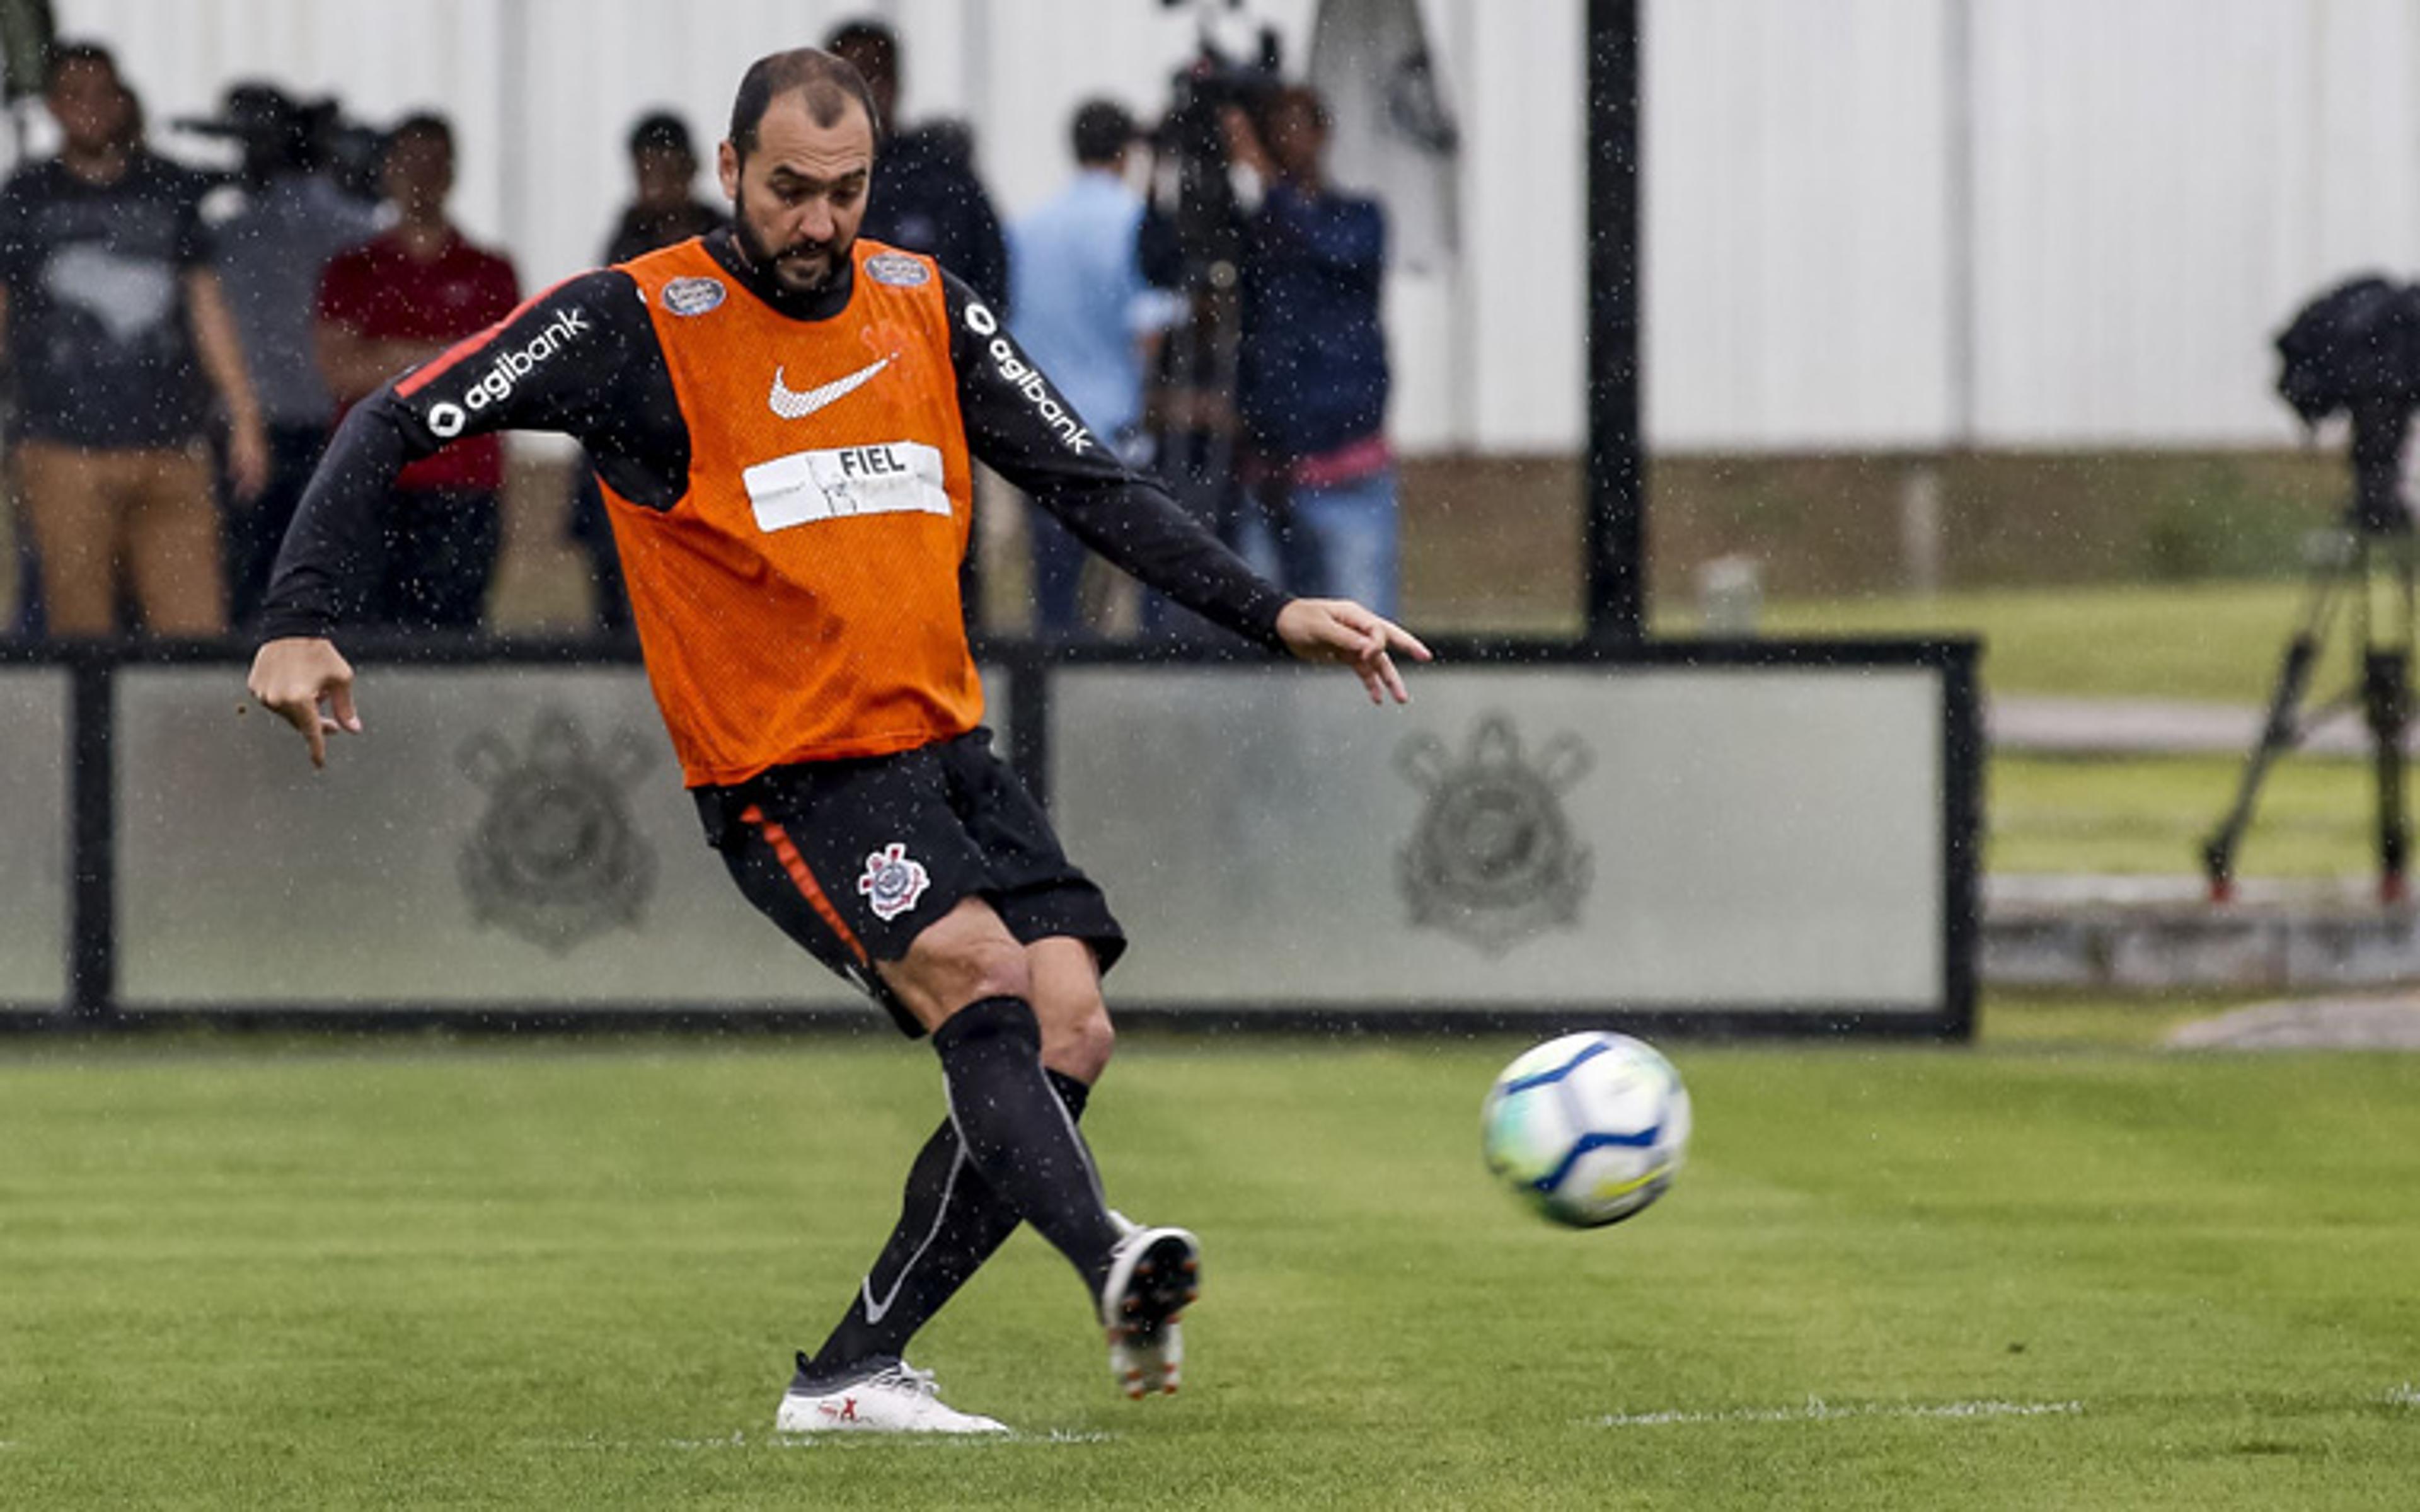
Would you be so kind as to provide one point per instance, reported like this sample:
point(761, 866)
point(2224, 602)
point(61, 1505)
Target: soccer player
point(782, 417)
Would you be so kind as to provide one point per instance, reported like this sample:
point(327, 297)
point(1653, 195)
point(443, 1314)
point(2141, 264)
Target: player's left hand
point(1337, 629)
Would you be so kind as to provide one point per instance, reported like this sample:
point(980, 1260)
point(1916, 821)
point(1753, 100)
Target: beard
point(803, 265)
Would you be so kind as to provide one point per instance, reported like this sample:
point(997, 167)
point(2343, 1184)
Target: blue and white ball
point(1590, 1128)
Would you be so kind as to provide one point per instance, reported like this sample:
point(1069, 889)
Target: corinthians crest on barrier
point(1493, 860)
point(555, 858)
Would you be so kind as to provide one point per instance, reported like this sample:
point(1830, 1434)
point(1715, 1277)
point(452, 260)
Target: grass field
point(2063, 1270)
point(2218, 641)
point(2149, 815)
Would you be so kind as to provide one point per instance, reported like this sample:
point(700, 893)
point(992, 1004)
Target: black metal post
point(1617, 474)
point(92, 800)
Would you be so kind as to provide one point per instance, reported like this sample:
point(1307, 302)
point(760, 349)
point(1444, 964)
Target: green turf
point(249, 1275)
point(2149, 815)
point(2216, 642)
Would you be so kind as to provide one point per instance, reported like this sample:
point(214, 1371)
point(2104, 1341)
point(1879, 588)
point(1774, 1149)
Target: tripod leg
point(2278, 734)
point(2386, 699)
point(2281, 730)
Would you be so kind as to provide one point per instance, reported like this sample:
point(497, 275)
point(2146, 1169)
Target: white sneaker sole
point(1155, 1276)
point(843, 1411)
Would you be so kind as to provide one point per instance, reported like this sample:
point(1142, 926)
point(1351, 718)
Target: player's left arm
point(568, 361)
point(1020, 425)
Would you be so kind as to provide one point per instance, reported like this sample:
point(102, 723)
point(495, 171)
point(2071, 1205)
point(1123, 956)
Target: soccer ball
point(1590, 1128)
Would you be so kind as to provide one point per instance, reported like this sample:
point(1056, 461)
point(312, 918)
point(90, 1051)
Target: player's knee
point(977, 969)
point(1080, 1044)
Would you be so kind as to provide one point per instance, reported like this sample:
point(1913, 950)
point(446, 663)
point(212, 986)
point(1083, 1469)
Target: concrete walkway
point(2143, 727)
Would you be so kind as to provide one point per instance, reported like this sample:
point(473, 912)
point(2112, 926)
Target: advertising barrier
point(1732, 836)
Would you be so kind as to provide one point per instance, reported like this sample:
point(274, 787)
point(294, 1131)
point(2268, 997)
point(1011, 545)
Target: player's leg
point(951, 1221)
point(1154, 1274)
point(1074, 939)
point(896, 859)
point(873, 1388)
point(965, 978)
point(956, 1214)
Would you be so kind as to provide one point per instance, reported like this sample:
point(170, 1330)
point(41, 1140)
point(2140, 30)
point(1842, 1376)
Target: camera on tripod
point(2355, 351)
point(1197, 236)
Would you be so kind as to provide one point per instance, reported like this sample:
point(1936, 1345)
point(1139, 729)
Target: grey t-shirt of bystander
point(270, 250)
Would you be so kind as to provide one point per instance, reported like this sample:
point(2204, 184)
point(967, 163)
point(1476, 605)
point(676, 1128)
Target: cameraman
point(1311, 375)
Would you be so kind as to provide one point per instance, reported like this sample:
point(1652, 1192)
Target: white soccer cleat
point(1155, 1275)
point(1143, 1368)
point(897, 1398)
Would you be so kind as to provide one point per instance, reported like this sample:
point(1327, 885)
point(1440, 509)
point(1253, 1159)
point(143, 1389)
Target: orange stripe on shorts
point(804, 880)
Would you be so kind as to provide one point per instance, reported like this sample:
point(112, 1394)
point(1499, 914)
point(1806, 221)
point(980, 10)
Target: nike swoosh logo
point(795, 404)
point(876, 1311)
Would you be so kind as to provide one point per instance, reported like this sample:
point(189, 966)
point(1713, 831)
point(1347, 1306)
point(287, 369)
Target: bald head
point(827, 86)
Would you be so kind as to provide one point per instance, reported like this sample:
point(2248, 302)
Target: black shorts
point(854, 858)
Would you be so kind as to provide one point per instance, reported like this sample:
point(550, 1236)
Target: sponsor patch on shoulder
point(693, 296)
point(896, 269)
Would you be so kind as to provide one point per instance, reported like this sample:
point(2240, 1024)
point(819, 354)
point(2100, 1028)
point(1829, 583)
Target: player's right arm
point(580, 359)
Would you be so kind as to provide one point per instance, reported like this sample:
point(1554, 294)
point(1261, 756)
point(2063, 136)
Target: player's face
point(799, 195)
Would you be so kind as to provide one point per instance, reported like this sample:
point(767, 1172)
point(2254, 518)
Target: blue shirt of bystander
point(1078, 297)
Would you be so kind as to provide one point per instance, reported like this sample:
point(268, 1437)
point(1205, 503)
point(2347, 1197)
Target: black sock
point(950, 1221)
point(1017, 1134)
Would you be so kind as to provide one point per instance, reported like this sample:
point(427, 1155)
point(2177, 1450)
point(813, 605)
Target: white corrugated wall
point(1913, 224)
point(563, 79)
point(1891, 224)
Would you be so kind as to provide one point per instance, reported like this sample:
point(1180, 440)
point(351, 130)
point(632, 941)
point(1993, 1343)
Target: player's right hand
point(303, 681)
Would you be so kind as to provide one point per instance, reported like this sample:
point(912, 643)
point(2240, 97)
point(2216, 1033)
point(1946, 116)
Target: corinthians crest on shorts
point(892, 881)
point(555, 858)
point(1493, 860)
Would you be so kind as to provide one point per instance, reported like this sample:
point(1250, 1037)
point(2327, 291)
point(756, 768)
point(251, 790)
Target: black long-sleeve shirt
point(582, 359)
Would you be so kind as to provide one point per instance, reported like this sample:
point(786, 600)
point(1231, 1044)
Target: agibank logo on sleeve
point(497, 383)
point(1028, 380)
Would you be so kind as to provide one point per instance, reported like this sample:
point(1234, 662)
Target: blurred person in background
point(664, 206)
point(785, 415)
point(664, 209)
point(926, 196)
point(1311, 377)
point(1085, 314)
point(389, 304)
point(118, 338)
point(286, 222)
